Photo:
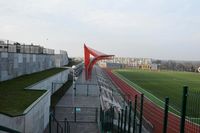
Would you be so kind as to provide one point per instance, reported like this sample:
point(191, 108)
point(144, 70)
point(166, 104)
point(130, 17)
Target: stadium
point(105, 98)
point(103, 66)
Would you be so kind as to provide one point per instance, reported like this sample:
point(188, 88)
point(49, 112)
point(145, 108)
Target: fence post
point(118, 128)
point(135, 112)
point(65, 125)
point(102, 120)
point(74, 114)
point(57, 128)
point(96, 115)
point(165, 115)
point(87, 89)
point(121, 130)
point(129, 117)
point(50, 122)
point(183, 110)
point(52, 88)
point(74, 88)
point(141, 112)
point(68, 127)
point(125, 117)
point(54, 111)
point(112, 115)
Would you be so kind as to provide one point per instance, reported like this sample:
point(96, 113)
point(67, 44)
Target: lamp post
point(74, 84)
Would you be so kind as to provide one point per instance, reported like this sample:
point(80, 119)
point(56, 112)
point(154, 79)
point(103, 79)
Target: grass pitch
point(157, 85)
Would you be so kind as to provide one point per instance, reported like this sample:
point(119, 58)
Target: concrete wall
point(61, 60)
point(37, 115)
point(16, 64)
point(52, 83)
point(16, 123)
point(34, 119)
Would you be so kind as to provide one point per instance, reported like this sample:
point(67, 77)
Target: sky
point(161, 29)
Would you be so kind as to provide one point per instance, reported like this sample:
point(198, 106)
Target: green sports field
point(157, 85)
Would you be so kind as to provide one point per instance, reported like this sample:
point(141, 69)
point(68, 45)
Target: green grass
point(157, 85)
point(14, 99)
point(61, 92)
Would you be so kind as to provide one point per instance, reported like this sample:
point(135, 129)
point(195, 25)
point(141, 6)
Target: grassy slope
point(71, 63)
point(14, 99)
point(162, 84)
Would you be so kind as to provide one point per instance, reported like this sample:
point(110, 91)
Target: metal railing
point(52, 120)
point(9, 130)
point(77, 114)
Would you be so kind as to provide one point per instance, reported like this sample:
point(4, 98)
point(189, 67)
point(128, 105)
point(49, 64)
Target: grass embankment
point(14, 99)
point(59, 93)
point(157, 85)
point(71, 63)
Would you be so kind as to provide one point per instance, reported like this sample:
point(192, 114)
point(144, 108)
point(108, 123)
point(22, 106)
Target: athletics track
point(152, 112)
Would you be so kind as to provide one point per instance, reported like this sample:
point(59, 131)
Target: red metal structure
point(89, 63)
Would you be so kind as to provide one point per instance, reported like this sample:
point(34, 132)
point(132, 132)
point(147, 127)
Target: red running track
point(152, 112)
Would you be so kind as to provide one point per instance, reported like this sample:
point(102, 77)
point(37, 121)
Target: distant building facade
point(127, 62)
point(17, 59)
point(15, 47)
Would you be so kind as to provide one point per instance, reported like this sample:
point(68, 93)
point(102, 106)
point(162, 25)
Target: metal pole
point(75, 89)
point(165, 115)
point(53, 112)
point(74, 114)
point(65, 125)
point(102, 120)
point(183, 110)
point(68, 127)
point(112, 118)
point(87, 89)
point(100, 114)
point(121, 130)
point(57, 128)
point(134, 115)
point(125, 117)
point(105, 121)
point(141, 112)
point(50, 122)
point(118, 128)
point(129, 117)
point(52, 87)
point(96, 115)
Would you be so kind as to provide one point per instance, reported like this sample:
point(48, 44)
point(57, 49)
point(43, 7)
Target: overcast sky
point(164, 29)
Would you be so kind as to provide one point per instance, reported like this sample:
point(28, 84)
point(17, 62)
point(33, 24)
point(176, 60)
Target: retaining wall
point(36, 117)
point(13, 65)
point(52, 83)
point(33, 120)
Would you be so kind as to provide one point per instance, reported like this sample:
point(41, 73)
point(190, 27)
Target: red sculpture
point(89, 63)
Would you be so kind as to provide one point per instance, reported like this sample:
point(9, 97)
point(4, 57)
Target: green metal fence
point(193, 113)
point(130, 118)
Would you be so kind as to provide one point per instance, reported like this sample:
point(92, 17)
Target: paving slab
point(87, 105)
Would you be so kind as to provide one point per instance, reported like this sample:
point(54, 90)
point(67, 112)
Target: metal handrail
point(6, 129)
point(66, 125)
point(58, 124)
